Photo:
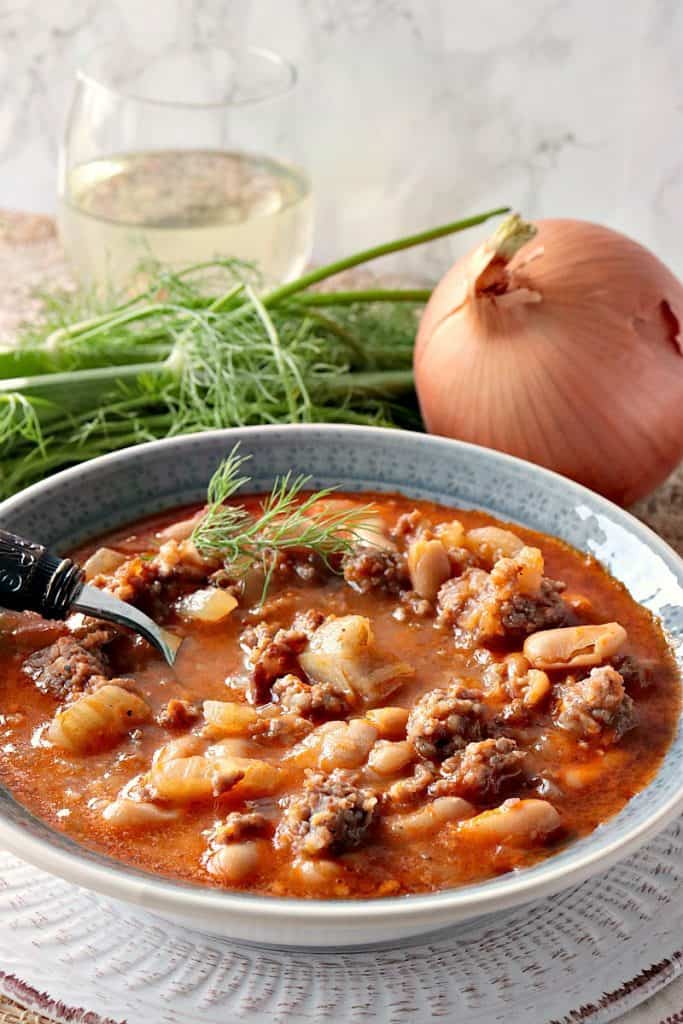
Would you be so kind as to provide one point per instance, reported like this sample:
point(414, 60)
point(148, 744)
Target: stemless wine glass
point(181, 158)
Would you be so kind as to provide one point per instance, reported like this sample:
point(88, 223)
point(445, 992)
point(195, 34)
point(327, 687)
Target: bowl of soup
point(436, 682)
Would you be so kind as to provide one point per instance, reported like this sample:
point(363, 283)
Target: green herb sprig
point(286, 521)
point(185, 355)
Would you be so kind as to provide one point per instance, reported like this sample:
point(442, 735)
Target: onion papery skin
point(569, 355)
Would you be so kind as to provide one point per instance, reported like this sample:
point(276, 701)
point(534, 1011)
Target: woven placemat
point(31, 261)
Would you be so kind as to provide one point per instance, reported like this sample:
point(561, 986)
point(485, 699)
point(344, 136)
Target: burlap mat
point(31, 260)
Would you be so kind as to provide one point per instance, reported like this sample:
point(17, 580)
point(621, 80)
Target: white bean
point(390, 721)
point(348, 745)
point(429, 819)
point(428, 566)
point(184, 746)
point(317, 871)
point(490, 543)
point(520, 822)
point(235, 746)
point(127, 813)
point(228, 718)
point(188, 779)
point(236, 861)
point(574, 645)
point(389, 758)
point(182, 529)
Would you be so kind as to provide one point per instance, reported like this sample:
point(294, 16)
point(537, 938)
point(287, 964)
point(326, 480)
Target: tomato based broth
point(329, 764)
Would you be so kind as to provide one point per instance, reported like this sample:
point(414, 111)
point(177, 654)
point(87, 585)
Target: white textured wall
point(417, 110)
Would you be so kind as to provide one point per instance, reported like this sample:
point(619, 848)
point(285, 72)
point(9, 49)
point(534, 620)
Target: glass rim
point(273, 58)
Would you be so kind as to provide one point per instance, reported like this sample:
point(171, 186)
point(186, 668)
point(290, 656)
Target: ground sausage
point(271, 653)
point(596, 707)
point(65, 667)
point(367, 569)
point(237, 825)
point(480, 771)
point(408, 791)
point(508, 601)
point(331, 815)
point(633, 672)
point(408, 524)
point(444, 721)
point(315, 701)
point(522, 614)
point(178, 714)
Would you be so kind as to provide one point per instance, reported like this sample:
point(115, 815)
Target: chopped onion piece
point(209, 605)
point(102, 562)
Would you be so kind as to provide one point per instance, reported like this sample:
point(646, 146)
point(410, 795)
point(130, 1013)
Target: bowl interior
point(81, 503)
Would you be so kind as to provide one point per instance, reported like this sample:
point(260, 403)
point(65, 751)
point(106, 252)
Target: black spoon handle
point(34, 580)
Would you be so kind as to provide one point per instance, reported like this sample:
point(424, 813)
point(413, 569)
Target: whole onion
point(560, 343)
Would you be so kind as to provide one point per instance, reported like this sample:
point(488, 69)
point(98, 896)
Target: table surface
point(31, 261)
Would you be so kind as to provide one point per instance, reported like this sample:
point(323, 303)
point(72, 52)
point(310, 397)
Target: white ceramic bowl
point(101, 495)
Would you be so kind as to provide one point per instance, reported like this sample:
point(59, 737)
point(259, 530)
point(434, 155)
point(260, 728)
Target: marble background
point(411, 112)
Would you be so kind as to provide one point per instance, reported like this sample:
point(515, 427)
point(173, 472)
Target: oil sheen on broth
point(407, 723)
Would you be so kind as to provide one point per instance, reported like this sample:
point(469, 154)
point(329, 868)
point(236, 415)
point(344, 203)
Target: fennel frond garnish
point(206, 347)
point(287, 519)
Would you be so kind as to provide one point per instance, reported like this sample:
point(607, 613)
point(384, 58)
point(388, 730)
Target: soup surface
point(451, 699)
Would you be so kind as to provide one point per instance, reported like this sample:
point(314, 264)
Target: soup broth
point(452, 699)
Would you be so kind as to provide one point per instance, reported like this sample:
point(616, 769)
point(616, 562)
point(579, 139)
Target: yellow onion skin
point(569, 354)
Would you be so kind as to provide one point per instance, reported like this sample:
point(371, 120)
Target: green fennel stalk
point(185, 355)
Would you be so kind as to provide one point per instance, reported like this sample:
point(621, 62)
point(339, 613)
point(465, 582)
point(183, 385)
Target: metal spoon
point(32, 579)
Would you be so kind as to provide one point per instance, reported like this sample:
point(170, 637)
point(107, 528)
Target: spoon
point(33, 579)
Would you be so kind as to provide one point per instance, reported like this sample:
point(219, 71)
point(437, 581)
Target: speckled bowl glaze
point(106, 493)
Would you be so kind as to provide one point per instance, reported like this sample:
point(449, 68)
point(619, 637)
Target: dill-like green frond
point(287, 520)
point(201, 348)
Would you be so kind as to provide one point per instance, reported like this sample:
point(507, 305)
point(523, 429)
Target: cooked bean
point(235, 746)
point(182, 529)
point(260, 777)
point(336, 745)
point(430, 818)
point(372, 533)
point(389, 758)
point(228, 718)
point(187, 779)
point(184, 746)
point(347, 745)
point(98, 719)
point(319, 872)
point(520, 822)
point(236, 861)
point(574, 645)
point(429, 566)
point(257, 778)
point(491, 543)
point(390, 721)
point(127, 813)
point(583, 774)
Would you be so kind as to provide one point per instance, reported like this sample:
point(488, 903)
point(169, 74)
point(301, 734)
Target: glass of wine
point(180, 158)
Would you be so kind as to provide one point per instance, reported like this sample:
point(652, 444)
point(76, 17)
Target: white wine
point(180, 207)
